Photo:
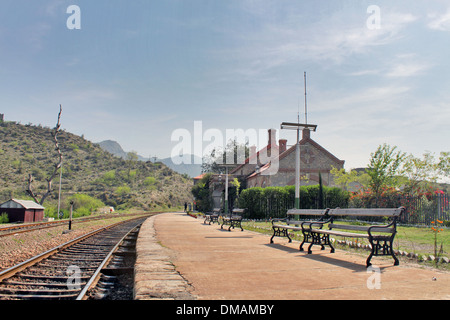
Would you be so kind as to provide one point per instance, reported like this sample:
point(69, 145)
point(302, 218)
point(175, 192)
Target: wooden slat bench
point(380, 237)
point(282, 226)
point(234, 219)
point(212, 217)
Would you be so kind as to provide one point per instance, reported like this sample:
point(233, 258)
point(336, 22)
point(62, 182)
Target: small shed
point(22, 210)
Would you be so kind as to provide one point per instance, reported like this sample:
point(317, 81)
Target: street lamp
point(226, 166)
point(297, 126)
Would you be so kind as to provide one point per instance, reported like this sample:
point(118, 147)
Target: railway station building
point(314, 160)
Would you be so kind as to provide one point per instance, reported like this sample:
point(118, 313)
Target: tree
point(58, 165)
point(420, 172)
point(444, 165)
point(384, 168)
point(321, 205)
point(233, 192)
point(344, 179)
point(234, 151)
point(202, 194)
point(132, 158)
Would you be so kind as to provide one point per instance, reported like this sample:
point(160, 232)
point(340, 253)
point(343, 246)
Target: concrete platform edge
point(155, 277)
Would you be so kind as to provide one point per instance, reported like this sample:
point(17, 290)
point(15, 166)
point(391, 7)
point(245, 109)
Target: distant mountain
point(191, 170)
point(113, 147)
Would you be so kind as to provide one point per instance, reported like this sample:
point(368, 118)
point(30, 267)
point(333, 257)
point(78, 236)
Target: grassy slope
point(87, 169)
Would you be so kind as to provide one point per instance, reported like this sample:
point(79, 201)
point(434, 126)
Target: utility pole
point(59, 193)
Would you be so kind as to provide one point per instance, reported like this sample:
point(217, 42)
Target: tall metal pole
point(297, 126)
point(226, 166)
point(226, 191)
point(297, 172)
point(59, 194)
point(306, 108)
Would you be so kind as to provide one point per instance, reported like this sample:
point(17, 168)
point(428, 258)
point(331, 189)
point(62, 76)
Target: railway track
point(85, 268)
point(29, 227)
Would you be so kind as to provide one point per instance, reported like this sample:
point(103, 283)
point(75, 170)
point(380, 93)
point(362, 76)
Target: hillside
point(87, 169)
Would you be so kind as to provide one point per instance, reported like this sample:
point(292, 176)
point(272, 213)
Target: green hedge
point(273, 202)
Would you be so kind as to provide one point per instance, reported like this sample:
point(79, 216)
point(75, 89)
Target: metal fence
point(423, 210)
point(420, 210)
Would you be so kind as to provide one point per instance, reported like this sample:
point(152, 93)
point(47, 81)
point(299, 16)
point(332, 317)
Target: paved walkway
point(179, 257)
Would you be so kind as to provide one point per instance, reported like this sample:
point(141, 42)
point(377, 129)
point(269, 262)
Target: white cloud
point(288, 40)
point(365, 72)
point(402, 65)
point(439, 22)
point(362, 99)
point(335, 41)
point(365, 117)
point(406, 70)
point(407, 65)
point(53, 8)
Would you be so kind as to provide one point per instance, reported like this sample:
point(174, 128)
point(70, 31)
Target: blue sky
point(138, 70)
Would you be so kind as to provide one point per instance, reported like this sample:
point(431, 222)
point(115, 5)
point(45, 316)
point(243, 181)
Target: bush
point(109, 177)
point(50, 212)
point(81, 212)
point(4, 218)
point(84, 204)
point(150, 182)
point(252, 200)
point(123, 190)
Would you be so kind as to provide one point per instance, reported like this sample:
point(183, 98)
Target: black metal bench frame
point(281, 226)
point(234, 219)
point(380, 243)
point(212, 217)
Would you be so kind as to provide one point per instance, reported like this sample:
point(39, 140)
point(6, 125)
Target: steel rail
point(29, 227)
point(96, 276)
point(89, 282)
point(7, 273)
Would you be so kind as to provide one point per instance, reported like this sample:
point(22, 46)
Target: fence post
point(439, 214)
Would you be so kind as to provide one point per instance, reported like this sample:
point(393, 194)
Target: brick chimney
point(306, 133)
point(282, 145)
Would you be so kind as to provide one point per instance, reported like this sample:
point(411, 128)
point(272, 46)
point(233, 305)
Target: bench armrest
point(278, 220)
point(382, 228)
point(319, 223)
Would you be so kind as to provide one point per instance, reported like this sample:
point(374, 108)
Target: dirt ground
point(243, 265)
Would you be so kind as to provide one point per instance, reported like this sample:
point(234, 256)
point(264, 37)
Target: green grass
point(409, 239)
point(421, 240)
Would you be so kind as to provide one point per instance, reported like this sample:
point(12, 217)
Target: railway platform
point(179, 257)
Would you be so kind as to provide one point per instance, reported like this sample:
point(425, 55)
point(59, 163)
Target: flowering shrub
point(437, 228)
point(366, 198)
point(422, 208)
